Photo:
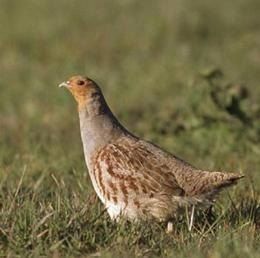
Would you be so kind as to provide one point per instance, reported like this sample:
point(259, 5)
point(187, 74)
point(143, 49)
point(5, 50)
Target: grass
point(156, 62)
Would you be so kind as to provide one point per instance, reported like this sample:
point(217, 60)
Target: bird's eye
point(80, 82)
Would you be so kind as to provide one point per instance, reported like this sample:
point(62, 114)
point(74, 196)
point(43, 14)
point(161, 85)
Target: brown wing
point(129, 167)
point(203, 185)
point(132, 167)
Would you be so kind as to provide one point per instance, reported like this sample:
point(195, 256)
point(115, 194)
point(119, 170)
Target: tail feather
point(216, 182)
point(207, 188)
point(220, 179)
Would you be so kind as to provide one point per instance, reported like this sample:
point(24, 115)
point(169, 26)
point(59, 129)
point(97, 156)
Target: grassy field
point(183, 74)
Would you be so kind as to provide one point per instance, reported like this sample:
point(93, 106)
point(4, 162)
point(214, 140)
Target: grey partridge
point(132, 177)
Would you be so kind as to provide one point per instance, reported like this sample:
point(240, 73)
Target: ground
point(183, 74)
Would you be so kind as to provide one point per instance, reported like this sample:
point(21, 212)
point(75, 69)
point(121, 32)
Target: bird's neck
point(98, 128)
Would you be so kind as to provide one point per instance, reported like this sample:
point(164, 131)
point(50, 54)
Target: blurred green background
point(159, 65)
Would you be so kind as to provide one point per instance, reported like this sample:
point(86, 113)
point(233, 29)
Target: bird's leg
point(191, 217)
point(169, 227)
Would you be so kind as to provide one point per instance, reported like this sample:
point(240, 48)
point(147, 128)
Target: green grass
point(153, 60)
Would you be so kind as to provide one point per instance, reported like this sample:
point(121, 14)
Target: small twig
point(41, 222)
point(17, 191)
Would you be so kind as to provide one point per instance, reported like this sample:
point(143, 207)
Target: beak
point(64, 84)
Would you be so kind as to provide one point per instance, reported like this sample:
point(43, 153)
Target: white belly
point(114, 210)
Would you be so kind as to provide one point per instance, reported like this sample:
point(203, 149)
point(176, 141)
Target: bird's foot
point(169, 227)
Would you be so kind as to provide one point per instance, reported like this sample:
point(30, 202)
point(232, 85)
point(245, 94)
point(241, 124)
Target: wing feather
point(139, 167)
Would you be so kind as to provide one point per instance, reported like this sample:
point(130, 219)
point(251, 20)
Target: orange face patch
point(81, 88)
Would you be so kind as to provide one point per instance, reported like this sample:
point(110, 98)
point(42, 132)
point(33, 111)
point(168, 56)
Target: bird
point(134, 178)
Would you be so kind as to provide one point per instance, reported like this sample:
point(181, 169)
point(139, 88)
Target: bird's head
point(83, 89)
